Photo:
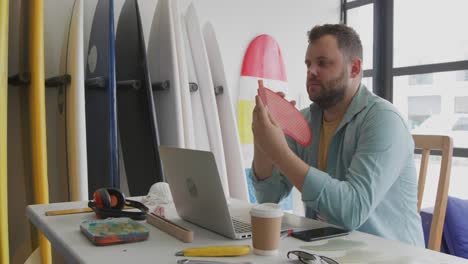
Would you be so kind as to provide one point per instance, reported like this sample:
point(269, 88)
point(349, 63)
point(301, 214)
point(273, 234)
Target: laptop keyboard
point(241, 227)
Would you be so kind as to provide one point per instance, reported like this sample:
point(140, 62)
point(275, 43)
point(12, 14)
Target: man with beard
point(359, 171)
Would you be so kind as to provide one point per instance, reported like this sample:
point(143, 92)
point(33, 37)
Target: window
point(420, 64)
point(420, 108)
point(461, 104)
point(461, 124)
point(436, 35)
point(361, 20)
point(367, 81)
point(462, 76)
point(360, 16)
point(457, 186)
point(420, 79)
point(427, 58)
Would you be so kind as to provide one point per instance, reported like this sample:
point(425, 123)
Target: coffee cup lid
point(266, 210)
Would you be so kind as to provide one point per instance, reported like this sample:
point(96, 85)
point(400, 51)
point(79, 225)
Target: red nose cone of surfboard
point(263, 59)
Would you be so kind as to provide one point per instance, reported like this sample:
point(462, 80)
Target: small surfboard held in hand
point(288, 117)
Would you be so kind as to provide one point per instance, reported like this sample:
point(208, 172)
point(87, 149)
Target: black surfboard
point(137, 114)
point(100, 96)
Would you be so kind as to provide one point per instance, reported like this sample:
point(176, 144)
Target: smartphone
point(319, 233)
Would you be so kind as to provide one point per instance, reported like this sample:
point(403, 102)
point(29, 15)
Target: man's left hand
point(268, 135)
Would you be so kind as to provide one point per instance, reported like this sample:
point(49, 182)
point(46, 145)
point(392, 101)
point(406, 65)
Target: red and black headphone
point(110, 202)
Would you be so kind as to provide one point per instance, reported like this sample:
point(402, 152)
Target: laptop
point(198, 193)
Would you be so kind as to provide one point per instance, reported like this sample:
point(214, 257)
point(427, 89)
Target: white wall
point(237, 22)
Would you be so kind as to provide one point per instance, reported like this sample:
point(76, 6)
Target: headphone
point(109, 202)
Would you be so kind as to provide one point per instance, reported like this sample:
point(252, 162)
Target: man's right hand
point(262, 165)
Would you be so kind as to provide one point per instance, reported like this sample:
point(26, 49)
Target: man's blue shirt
point(370, 184)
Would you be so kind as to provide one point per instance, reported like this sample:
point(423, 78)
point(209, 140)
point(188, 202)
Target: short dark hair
point(348, 40)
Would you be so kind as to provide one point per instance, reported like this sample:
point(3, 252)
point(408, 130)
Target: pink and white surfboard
point(262, 61)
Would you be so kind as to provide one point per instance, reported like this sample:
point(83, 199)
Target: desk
point(64, 234)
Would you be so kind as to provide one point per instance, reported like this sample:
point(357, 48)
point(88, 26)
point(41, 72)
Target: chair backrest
point(445, 144)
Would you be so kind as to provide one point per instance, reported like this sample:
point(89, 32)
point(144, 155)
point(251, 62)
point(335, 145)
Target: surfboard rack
point(129, 84)
point(20, 79)
point(96, 83)
point(161, 86)
point(23, 79)
point(219, 90)
point(193, 87)
point(58, 81)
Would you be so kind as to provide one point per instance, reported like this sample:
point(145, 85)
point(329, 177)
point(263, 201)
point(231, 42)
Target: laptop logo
point(192, 188)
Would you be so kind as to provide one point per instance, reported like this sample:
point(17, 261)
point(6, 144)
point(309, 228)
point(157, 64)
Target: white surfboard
point(68, 171)
point(262, 61)
point(186, 103)
point(202, 141)
point(162, 60)
point(205, 84)
point(75, 109)
point(227, 119)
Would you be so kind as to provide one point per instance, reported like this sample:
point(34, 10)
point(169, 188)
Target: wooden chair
point(443, 143)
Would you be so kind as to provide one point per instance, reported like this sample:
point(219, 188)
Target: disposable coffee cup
point(266, 228)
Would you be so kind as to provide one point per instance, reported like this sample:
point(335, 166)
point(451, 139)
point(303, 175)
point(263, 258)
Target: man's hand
point(270, 144)
point(268, 135)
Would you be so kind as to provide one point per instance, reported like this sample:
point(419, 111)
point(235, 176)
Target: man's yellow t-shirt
point(326, 133)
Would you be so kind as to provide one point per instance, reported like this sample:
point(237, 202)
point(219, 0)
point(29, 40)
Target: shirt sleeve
point(275, 187)
point(383, 145)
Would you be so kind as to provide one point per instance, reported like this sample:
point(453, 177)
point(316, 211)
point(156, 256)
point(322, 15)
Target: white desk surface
point(64, 234)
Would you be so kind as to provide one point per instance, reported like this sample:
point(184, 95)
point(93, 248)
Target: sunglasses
point(308, 258)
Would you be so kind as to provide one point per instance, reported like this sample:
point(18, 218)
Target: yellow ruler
point(69, 211)
point(73, 211)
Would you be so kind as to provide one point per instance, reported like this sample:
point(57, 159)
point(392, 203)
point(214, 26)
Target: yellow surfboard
point(38, 114)
point(4, 249)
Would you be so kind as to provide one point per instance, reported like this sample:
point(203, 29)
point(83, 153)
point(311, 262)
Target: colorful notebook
point(114, 231)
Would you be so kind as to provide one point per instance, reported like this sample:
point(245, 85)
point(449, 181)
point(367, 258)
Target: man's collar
point(359, 102)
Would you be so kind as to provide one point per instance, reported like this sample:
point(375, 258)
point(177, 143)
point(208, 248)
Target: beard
point(332, 92)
